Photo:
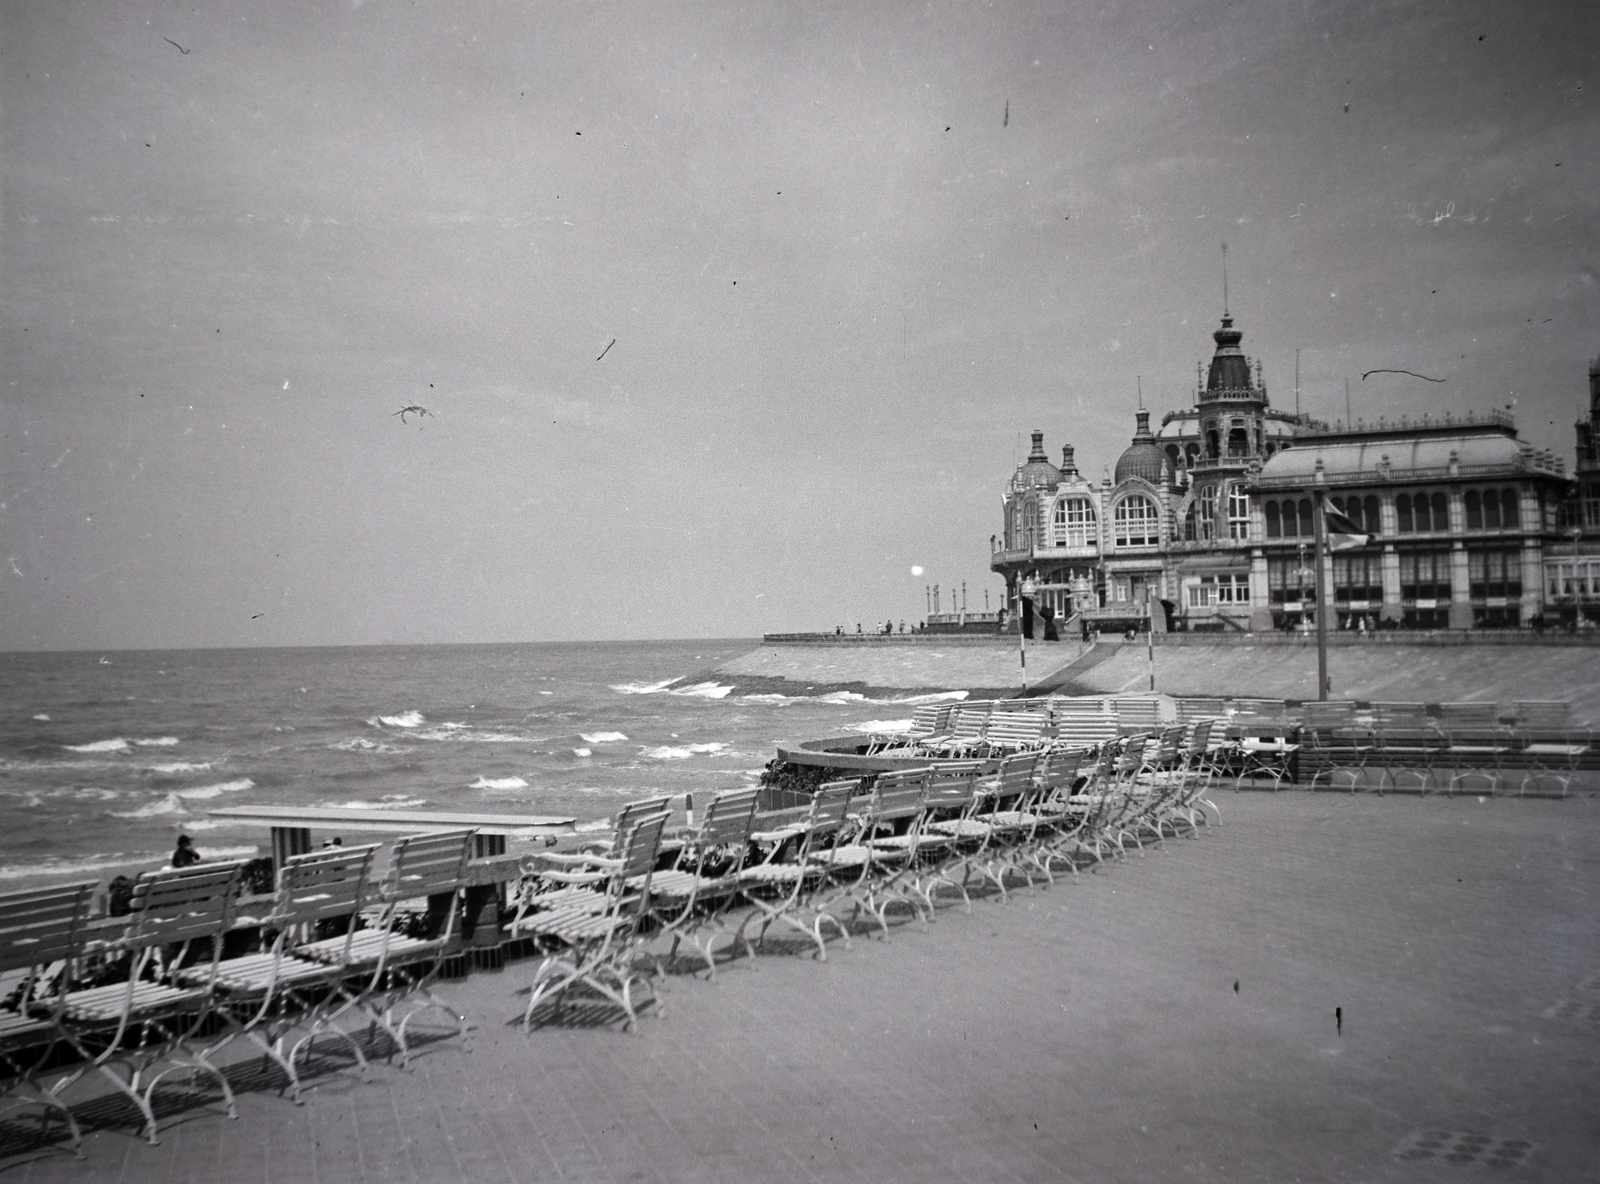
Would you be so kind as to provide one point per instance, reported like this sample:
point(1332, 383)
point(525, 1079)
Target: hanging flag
point(1343, 534)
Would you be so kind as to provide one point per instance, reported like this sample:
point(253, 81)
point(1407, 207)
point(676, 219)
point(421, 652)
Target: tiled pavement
point(1172, 1017)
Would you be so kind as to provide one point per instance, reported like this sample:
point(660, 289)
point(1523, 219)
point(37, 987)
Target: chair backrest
point(1200, 738)
point(1543, 713)
point(177, 904)
point(638, 847)
point(1014, 728)
point(1192, 709)
point(728, 819)
point(830, 805)
point(1332, 713)
point(1259, 708)
point(929, 720)
point(333, 882)
point(42, 925)
point(1015, 775)
point(1477, 715)
point(1169, 742)
point(897, 794)
point(1058, 768)
point(1140, 712)
point(633, 811)
point(950, 786)
point(1406, 714)
point(428, 865)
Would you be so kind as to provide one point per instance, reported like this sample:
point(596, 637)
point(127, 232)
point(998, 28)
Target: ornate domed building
point(1212, 516)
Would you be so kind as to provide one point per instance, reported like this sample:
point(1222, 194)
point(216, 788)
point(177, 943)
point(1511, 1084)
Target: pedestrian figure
point(185, 854)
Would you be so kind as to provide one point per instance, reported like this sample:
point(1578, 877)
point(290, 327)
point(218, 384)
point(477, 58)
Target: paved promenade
point(1171, 1017)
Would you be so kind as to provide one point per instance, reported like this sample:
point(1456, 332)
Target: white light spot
point(286, 386)
point(916, 570)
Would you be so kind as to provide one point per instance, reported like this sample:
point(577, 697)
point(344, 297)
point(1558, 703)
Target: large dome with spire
point(1037, 472)
point(1142, 458)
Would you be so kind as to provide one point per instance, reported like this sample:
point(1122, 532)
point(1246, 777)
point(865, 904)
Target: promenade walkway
point(1171, 1017)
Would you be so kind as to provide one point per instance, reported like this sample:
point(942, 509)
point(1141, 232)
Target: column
point(1260, 594)
point(1391, 572)
point(1532, 579)
point(1460, 616)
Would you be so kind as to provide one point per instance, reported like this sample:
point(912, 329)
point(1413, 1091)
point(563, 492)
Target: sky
point(727, 317)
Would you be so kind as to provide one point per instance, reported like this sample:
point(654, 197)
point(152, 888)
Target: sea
point(105, 758)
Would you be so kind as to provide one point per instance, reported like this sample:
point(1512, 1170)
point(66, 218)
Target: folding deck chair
point(392, 964)
point(784, 886)
point(692, 896)
point(1476, 743)
point(40, 929)
point(1550, 745)
point(598, 949)
point(266, 995)
point(876, 868)
point(152, 1018)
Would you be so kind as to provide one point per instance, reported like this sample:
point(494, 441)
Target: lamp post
point(1025, 592)
point(1321, 540)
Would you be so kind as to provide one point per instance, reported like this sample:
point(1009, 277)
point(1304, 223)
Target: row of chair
point(134, 1001)
point(610, 917)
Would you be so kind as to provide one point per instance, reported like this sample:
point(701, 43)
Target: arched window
point(1238, 511)
point(1075, 522)
point(1473, 504)
point(1402, 513)
point(1137, 522)
point(1238, 442)
point(1307, 528)
point(1510, 510)
point(1371, 517)
point(1441, 512)
point(1174, 457)
point(1274, 522)
point(1191, 453)
point(1213, 444)
point(1205, 513)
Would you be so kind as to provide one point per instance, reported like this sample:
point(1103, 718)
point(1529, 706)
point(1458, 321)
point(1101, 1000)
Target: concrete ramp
point(1065, 680)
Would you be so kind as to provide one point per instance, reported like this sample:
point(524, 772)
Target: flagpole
point(1322, 588)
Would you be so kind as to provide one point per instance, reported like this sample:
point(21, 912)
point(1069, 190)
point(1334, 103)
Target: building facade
point(1212, 516)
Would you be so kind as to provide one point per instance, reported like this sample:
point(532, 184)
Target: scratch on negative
point(1413, 374)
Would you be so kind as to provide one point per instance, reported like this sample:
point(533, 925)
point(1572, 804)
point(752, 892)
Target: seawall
point(1279, 667)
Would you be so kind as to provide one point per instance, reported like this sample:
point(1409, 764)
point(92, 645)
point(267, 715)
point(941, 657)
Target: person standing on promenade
point(185, 854)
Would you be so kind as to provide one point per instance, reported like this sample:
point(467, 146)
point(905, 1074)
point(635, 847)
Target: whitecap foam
point(392, 801)
point(645, 688)
point(499, 783)
point(42, 718)
point(201, 792)
point(935, 697)
point(406, 719)
point(362, 744)
point(600, 737)
point(704, 690)
point(175, 768)
point(880, 725)
point(157, 742)
point(55, 865)
point(583, 752)
point(683, 751)
point(171, 804)
point(467, 734)
point(116, 745)
point(767, 699)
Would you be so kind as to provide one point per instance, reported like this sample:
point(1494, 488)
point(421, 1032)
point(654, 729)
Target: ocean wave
point(466, 734)
point(157, 742)
point(172, 804)
point(116, 745)
point(935, 697)
point(389, 801)
point(645, 688)
point(842, 697)
point(600, 737)
point(42, 718)
point(406, 719)
point(499, 783)
point(201, 792)
point(174, 768)
point(362, 744)
point(683, 751)
point(704, 690)
point(56, 865)
point(583, 752)
point(880, 725)
point(771, 698)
